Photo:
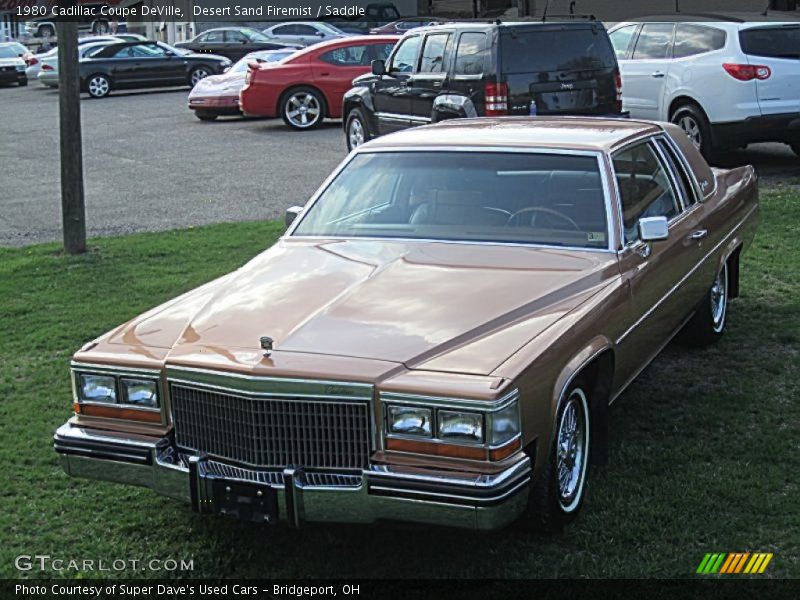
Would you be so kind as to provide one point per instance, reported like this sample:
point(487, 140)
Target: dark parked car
point(145, 64)
point(478, 69)
point(376, 14)
point(233, 42)
point(404, 25)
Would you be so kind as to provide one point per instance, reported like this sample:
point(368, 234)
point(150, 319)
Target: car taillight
point(618, 84)
point(33, 61)
point(496, 99)
point(47, 68)
point(249, 77)
point(747, 72)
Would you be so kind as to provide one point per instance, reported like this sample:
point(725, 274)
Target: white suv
point(727, 84)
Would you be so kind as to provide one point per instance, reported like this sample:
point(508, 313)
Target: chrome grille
point(272, 432)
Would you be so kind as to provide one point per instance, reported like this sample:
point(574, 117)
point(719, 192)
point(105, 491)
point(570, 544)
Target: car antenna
point(572, 7)
point(766, 8)
point(677, 6)
point(544, 13)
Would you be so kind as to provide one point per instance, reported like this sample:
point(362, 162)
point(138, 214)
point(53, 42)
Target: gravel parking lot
point(149, 164)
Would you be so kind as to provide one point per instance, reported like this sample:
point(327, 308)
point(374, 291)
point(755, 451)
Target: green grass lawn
point(705, 452)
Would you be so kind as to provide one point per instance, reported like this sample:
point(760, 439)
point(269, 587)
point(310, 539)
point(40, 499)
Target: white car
point(35, 66)
point(727, 84)
point(304, 33)
point(48, 74)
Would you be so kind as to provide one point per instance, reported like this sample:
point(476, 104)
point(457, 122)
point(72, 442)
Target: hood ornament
point(266, 344)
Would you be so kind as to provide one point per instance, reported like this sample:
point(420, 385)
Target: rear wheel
point(356, 132)
point(204, 115)
point(695, 125)
point(98, 85)
point(558, 494)
point(708, 323)
point(303, 108)
point(197, 74)
point(46, 31)
point(101, 28)
point(23, 83)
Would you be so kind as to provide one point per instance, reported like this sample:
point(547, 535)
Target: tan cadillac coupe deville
point(436, 338)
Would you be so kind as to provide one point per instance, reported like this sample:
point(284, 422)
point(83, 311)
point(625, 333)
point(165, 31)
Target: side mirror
point(319, 34)
point(378, 67)
point(291, 214)
point(652, 229)
point(169, 53)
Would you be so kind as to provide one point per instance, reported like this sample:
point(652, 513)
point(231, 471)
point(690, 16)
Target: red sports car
point(309, 86)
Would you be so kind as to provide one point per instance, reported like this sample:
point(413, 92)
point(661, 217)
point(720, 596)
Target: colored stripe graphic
point(734, 562)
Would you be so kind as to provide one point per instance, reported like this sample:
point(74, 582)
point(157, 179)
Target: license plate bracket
point(246, 501)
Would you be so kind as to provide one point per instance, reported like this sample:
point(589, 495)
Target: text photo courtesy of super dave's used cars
point(520, 223)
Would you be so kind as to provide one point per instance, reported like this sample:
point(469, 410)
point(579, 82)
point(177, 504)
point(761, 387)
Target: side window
point(213, 37)
point(305, 30)
point(405, 58)
point(654, 41)
point(350, 56)
point(433, 53)
point(284, 30)
point(470, 54)
point(680, 171)
point(696, 39)
point(235, 36)
point(622, 39)
point(644, 188)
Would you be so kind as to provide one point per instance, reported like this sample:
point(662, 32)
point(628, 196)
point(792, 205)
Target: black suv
point(486, 69)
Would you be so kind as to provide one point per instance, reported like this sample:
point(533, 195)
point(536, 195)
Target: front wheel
point(708, 323)
point(356, 132)
point(98, 86)
point(205, 115)
point(695, 125)
point(558, 494)
point(303, 108)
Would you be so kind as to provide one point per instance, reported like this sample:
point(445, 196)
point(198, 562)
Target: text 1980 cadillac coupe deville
point(437, 336)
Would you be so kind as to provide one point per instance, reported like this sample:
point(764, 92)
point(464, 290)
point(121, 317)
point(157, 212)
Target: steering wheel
point(548, 211)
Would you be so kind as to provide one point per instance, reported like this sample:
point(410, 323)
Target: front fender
point(359, 97)
point(452, 106)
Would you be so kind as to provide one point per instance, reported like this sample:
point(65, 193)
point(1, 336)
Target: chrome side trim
point(685, 277)
point(400, 117)
point(113, 369)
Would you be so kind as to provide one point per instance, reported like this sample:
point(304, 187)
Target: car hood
point(217, 84)
point(201, 56)
point(399, 302)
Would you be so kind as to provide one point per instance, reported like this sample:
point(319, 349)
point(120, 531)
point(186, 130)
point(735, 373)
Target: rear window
point(536, 198)
point(774, 42)
point(563, 49)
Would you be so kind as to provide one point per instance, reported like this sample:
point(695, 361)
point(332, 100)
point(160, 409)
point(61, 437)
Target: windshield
point(529, 198)
point(268, 56)
point(174, 50)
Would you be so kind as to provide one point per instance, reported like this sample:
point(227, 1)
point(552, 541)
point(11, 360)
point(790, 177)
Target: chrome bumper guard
point(380, 492)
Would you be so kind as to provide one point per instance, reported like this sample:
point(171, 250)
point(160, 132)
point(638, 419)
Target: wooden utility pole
point(73, 212)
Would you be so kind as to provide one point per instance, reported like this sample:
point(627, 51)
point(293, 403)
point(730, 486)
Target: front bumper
point(12, 76)
point(215, 104)
point(763, 128)
point(380, 492)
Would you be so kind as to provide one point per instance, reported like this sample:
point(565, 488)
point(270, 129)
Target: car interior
point(545, 199)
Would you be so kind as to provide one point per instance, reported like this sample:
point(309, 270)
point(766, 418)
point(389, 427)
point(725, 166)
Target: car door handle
point(699, 234)
point(658, 74)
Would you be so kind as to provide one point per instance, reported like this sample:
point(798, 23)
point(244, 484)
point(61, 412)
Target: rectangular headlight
point(410, 420)
point(97, 388)
point(459, 425)
point(139, 392)
point(505, 424)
